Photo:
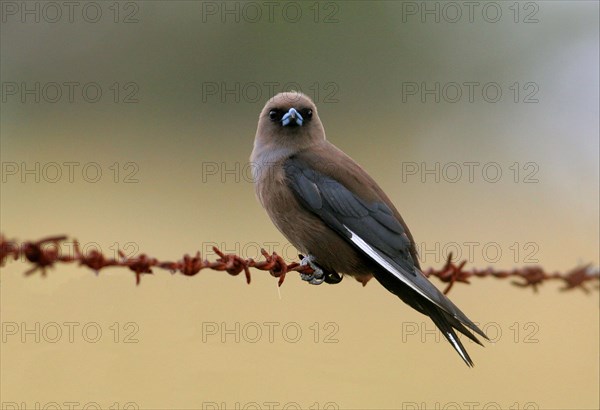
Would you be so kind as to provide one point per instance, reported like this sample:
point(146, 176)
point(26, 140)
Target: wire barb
point(45, 253)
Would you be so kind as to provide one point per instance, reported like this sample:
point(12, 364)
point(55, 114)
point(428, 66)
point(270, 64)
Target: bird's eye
point(308, 114)
point(275, 115)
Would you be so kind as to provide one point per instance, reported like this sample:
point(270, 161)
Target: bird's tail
point(447, 324)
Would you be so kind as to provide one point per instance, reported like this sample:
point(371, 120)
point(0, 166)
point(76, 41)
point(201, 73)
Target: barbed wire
point(46, 253)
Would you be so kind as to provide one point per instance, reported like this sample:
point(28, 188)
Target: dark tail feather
point(444, 322)
point(464, 325)
point(455, 323)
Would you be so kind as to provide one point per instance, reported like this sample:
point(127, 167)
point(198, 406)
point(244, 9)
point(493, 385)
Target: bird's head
point(289, 120)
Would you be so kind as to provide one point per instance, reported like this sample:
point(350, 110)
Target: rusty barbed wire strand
point(45, 253)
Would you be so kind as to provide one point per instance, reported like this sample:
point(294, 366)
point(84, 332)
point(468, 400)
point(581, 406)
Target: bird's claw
point(333, 278)
point(315, 278)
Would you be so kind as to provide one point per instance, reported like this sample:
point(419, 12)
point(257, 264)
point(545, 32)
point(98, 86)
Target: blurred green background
point(419, 93)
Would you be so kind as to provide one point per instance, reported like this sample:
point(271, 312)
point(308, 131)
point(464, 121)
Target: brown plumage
point(329, 208)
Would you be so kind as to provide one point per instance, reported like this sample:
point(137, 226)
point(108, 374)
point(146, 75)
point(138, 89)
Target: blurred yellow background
point(129, 125)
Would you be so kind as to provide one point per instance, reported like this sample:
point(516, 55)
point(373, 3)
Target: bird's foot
point(319, 275)
point(315, 278)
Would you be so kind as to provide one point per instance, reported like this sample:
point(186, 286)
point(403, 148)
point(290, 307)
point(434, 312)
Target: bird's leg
point(319, 275)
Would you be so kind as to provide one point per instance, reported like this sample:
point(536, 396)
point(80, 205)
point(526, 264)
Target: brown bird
point(329, 208)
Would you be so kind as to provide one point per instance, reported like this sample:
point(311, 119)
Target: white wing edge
point(384, 263)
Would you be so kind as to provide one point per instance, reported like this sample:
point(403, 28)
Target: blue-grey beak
point(292, 117)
